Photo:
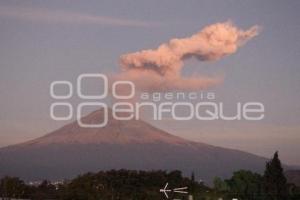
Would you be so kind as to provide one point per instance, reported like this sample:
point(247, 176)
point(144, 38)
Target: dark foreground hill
point(135, 144)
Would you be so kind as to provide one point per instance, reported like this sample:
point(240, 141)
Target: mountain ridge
point(133, 144)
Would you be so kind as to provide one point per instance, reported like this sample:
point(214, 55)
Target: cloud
point(160, 69)
point(60, 16)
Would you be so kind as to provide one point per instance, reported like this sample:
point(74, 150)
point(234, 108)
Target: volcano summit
point(133, 144)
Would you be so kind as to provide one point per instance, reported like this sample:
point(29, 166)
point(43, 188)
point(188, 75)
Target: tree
point(275, 183)
point(192, 184)
point(220, 185)
point(12, 187)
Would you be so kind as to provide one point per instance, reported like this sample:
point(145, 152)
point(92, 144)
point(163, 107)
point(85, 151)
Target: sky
point(44, 41)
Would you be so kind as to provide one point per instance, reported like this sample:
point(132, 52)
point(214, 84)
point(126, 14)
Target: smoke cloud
point(160, 69)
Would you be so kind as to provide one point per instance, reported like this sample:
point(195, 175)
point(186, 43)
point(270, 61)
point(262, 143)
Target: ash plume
point(160, 69)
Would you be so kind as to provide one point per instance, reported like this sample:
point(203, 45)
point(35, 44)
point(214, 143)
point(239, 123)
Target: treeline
point(144, 185)
point(112, 185)
point(272, 185)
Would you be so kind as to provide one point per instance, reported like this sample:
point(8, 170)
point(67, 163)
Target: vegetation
point(252, 186)
point(144, 185)
point(275, 183)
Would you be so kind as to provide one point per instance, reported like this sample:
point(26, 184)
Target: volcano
point(134, 144)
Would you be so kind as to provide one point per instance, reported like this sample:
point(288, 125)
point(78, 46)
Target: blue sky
point(61, 39)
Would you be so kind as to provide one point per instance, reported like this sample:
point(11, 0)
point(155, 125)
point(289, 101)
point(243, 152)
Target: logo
point(89, 100)
point(202, 110)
